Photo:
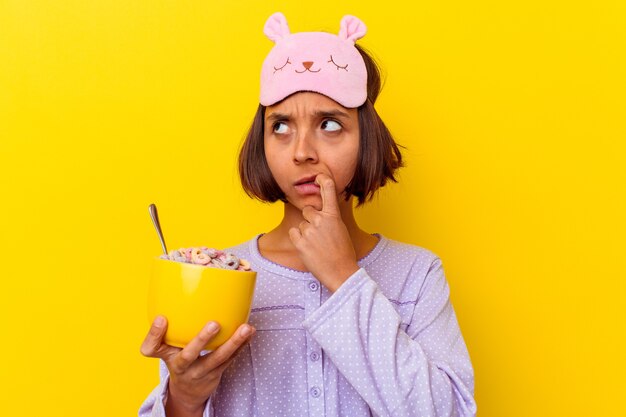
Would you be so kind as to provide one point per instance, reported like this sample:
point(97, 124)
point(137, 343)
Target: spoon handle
point(155, 220)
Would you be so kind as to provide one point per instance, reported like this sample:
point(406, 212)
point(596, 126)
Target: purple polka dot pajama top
point(386, 343)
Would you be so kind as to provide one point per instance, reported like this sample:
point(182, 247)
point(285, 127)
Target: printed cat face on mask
point(314, 61)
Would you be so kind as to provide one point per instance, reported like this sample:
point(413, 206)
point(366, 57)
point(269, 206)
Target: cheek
point(274, 170)
point(343, 172)
point(277, 169)
point(270, 158)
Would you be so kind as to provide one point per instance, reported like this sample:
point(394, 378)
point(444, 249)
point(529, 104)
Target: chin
point(301, 202)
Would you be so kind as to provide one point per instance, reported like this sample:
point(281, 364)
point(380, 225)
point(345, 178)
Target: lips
point(304, 180)
point(306, 186)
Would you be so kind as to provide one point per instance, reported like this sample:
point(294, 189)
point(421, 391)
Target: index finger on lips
point(192, 350)
point(223, 353)
point(327, 190)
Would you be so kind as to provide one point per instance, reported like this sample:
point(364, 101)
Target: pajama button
point(314, 356)
point(314, 286)
point(315, 392)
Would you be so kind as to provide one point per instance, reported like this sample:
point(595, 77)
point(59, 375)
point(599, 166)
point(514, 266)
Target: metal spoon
point(155, 220)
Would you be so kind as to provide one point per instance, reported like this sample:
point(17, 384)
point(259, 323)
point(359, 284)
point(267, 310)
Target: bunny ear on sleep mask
point(276, 27)
point(314, 61)
point(351, 28)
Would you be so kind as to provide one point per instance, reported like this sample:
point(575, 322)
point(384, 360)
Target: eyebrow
point(319, 114)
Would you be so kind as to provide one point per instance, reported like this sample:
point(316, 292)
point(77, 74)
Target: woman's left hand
point(322, 239)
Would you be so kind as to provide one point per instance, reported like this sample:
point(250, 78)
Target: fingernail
point(159, 321)
point(211, 327)
point(246, 331)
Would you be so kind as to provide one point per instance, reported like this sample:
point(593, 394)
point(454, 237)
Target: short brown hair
point(378, 159)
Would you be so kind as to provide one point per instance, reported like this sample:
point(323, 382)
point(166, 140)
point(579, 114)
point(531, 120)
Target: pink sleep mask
point(314, 61)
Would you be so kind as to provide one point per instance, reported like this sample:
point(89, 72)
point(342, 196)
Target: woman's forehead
point(307, 103)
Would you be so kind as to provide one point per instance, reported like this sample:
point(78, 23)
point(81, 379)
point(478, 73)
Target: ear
point(276, 27)
point(351, 28)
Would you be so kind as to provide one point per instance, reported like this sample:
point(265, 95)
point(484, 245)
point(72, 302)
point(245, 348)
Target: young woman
point(344, 322)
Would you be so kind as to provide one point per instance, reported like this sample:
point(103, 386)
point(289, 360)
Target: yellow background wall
point(513, 115)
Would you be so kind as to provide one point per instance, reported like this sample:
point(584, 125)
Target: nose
point(307, 64)
point(304, 149)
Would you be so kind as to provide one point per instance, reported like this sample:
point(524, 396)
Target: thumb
point(152, 343)
point(329, 196)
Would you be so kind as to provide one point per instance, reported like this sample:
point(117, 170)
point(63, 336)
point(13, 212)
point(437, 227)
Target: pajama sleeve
point(424, 370)
point(153, 406)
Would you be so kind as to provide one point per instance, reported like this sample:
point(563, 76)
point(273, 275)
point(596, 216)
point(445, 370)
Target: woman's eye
point(331, 125)
point(280, 127)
